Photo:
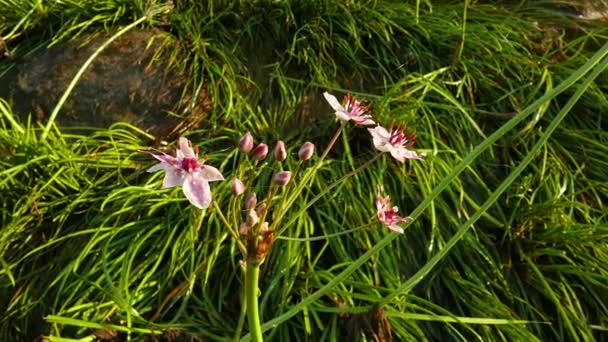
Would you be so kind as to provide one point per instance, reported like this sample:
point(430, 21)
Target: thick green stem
point(251, 292)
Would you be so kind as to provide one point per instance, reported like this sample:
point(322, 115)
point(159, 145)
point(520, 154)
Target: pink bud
point(246, 143)
point(282, 178)
point(251, 201)
point(237, 187)
point(252, 218)
point(280, 153)
point(306, 151)
point(261, 209)
point(243, 228)
point(260, 152)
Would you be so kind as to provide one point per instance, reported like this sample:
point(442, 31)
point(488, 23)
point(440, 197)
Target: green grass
point(510, 231)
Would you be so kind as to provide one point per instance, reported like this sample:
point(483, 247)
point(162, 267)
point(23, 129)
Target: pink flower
point(394, 141)
point(387, 214)
point(352, 109)
point(187, 171)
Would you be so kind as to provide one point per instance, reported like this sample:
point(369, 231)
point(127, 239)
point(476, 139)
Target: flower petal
point(342, 115)
point(165, 158)
point(159, 166)
point(398, 154)
point(380, 138)
point(210, 174)
point(197, 191)
point(395, 228)
point(172, 179)
point(184, 149)
point(379, 132)
point(334, 103)
point(366, 122)
point(403, 153)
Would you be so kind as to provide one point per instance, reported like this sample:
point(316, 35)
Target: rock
point(120, 85)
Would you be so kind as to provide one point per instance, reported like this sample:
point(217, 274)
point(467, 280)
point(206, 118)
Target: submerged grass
point(507, 244)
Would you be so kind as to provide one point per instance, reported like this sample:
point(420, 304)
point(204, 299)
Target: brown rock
point(120, 85)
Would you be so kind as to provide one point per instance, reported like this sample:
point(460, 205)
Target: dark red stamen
point(190, 164)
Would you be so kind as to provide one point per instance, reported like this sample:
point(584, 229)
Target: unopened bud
point(261, 209)
point(246, 143)
point(280, 153)
point(252, 218)
point(251, 201)
point(306, 151)
point(237, 187)
point(243, 228)
point(282, 178)
point(260, 152)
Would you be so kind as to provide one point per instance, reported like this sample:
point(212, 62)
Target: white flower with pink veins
point(187, 171)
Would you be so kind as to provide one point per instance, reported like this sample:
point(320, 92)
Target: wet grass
point(510, 235)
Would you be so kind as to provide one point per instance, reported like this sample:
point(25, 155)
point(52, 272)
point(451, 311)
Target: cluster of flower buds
point(260, 151)
point(254, 227)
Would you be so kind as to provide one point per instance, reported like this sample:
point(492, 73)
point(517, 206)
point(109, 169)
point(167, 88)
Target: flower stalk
point(251, 294)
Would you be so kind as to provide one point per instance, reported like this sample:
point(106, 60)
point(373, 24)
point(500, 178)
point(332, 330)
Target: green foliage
point(510, 228)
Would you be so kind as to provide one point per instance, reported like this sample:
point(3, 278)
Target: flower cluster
point(254, 225)
point(193, 175)
point(392, 140)
point(255, 228)
point(387, 214)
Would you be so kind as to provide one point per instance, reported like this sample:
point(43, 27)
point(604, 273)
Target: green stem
point(251, 292)
point(234, 231)
point(329, 188)
point(241, 323)
point(286, 204)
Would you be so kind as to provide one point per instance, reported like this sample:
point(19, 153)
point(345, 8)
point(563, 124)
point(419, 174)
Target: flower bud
point(252, 218)
point(251, 201)
point(261, 209)
point(280, 153)
point(243, 228)
point(260, 152)
point(282, 178)
point(306, 151)
point(246, 143)
point(237, 187)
